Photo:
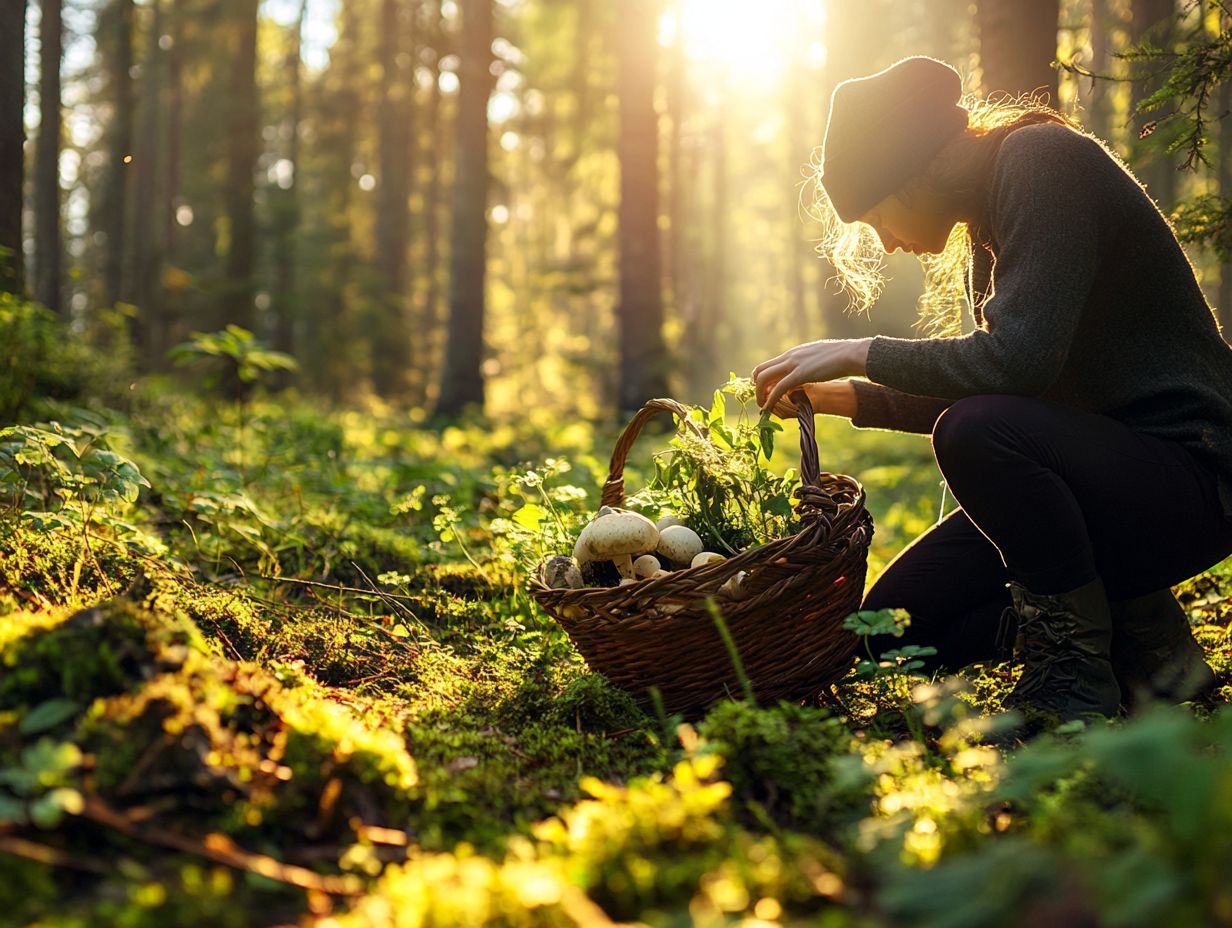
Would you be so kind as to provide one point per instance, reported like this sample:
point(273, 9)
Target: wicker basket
point(785, 621)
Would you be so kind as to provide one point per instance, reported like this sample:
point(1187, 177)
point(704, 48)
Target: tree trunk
point(643, 355)
point(241, 165)
point(1225, 190)
point(796, 117)
point(47, 253)
point(850, 28)
point(462, 383)
point(12, 137)
point(428, 343)
point(1099, 103)
point(147, 257)
point(287, 200)
point(175, 119)
point(1018, 42)
point(113, 204)
point(1153, 21)
point(338, 350)
point(391, 344)
point(677, 105)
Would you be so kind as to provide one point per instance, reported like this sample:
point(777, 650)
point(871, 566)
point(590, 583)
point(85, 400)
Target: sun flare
point(748, 46)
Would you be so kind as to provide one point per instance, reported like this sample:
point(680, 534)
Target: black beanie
point(885, 128)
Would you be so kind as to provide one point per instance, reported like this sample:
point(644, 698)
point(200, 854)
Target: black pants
point(1051, 497)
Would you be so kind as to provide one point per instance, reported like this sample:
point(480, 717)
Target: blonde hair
point(958, 172)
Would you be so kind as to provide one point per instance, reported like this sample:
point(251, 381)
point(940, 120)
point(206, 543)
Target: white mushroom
point(679, 544)
point(705, 558)
point(645, 566)
point(625, 581)
point(614, 536)
point(669, 519)
point(732, 587)
point(561, 573)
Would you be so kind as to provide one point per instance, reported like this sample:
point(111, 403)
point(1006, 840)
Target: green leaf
point(12, 811)
point(767, 442)
point(877, 622)
point(530, 516)
point(47, 715)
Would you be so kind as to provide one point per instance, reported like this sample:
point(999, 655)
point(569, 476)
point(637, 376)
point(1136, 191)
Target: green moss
point(779, 758)
point(89, 653)
point(55, 568)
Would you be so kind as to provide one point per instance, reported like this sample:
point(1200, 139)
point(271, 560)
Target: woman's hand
point(809, 363)
point(832, 398)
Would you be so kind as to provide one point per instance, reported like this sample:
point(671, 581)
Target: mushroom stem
point(624, 564)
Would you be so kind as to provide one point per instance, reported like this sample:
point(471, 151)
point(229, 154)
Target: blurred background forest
point(569, 205)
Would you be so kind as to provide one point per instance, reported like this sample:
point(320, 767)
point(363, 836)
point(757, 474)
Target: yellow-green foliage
point(88, 653)
point(53, 568)
point(664, 848)
point(331, 662)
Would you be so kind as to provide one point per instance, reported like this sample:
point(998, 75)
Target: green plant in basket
point(718, 478)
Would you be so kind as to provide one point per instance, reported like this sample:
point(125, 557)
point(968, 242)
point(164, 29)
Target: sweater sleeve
point(879, 407)
point(1045, 218)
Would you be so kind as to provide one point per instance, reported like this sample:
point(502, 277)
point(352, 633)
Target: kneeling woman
point(1084, 427)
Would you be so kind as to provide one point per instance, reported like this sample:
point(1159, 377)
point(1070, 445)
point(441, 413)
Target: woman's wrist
point(858, 358)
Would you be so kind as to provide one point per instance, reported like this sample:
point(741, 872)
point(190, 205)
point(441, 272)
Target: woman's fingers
point(769, 375)
point(778, 359)
point(785, 385)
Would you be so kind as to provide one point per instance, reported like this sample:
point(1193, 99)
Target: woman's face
point(922, 227)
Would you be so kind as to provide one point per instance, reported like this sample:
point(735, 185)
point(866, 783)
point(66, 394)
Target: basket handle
point(614, 487)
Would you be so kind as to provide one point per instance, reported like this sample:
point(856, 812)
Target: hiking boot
point(1154, 655)
point(1064, 641)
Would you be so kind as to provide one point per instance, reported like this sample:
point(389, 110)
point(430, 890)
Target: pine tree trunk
point(849, 28)
point(643, 355)
point(12, 137)
point(1225, 190)
point(798, 147)
point(1153, 21)
point(113, 204)
point(429, 341)
point(48, 254)
point(338, 350)
point(1098, 99)
point(241, 165)
point(174, 138)
point(392, 338)
point(677, 105)
point(462, 383)
point(1018, 42)
point(287, 200)
point(147, 258)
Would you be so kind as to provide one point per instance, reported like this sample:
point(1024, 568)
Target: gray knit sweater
point(1095, 306)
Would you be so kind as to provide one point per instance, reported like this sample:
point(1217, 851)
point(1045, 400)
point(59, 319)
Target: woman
point(1084, 427)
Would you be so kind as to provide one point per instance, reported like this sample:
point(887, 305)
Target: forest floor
point(269, 665)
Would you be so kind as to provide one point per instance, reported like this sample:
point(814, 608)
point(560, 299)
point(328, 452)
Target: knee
point(967, 425)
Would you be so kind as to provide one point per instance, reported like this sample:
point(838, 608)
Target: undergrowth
point(275, 665)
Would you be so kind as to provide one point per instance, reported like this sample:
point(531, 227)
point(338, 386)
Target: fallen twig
point(221, 849)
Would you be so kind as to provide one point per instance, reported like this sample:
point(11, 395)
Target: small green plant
point(549, 517)
point(65, 479)
point(716, 475)
point(896, 671)
point(38, 789)
point(246, 358)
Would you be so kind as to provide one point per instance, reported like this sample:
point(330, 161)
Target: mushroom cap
point(561, 573)
point(645, 566)
point(667, 519)
point(705, 557)
point(679, 544)
point(733, 586)
point(616, 533)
